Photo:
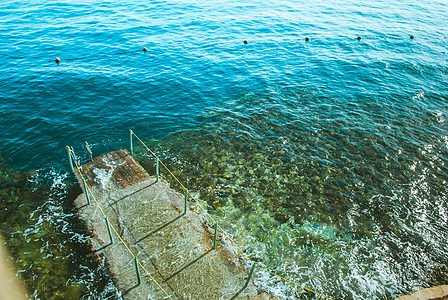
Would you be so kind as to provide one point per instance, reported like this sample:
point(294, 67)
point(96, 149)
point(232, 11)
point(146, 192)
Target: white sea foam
point(104, 176)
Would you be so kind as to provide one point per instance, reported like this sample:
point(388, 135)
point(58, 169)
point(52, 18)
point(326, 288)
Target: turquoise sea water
point(327, 159)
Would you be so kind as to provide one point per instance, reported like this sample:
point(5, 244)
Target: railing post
point(89, 151)
point(186, 199)
point(131, 144)
point(108, 230)
point(214, 238)
point(157, 168)
point(70, 158)
point(86, 191)
point(137, 271)
point(73, 155)
point(248, 278)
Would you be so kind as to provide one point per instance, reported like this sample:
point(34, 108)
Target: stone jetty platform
point(147, 221)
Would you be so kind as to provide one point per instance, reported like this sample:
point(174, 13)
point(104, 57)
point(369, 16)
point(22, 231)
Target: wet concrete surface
point(174, 246)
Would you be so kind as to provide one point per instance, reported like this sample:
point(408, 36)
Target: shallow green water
point(46, 238)
point(345, 197)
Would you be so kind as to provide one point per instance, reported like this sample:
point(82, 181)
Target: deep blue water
point(381, 98)
point(196, 59)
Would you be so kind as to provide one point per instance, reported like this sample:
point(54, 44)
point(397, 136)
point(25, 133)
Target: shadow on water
point(137, 191)
point(102, 248)
point(130, 289)
point(188, 265)
point(160, 228)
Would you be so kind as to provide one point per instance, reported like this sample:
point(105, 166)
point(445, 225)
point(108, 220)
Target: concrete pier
point(175, 248)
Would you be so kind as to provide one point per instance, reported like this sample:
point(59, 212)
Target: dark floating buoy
point(307, 39)
point(245, 41)
point(145, 49)
point(358, 38)
point(412, 37)
point(57, 60)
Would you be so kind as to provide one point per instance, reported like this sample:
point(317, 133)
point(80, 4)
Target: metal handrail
point(88, 191)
